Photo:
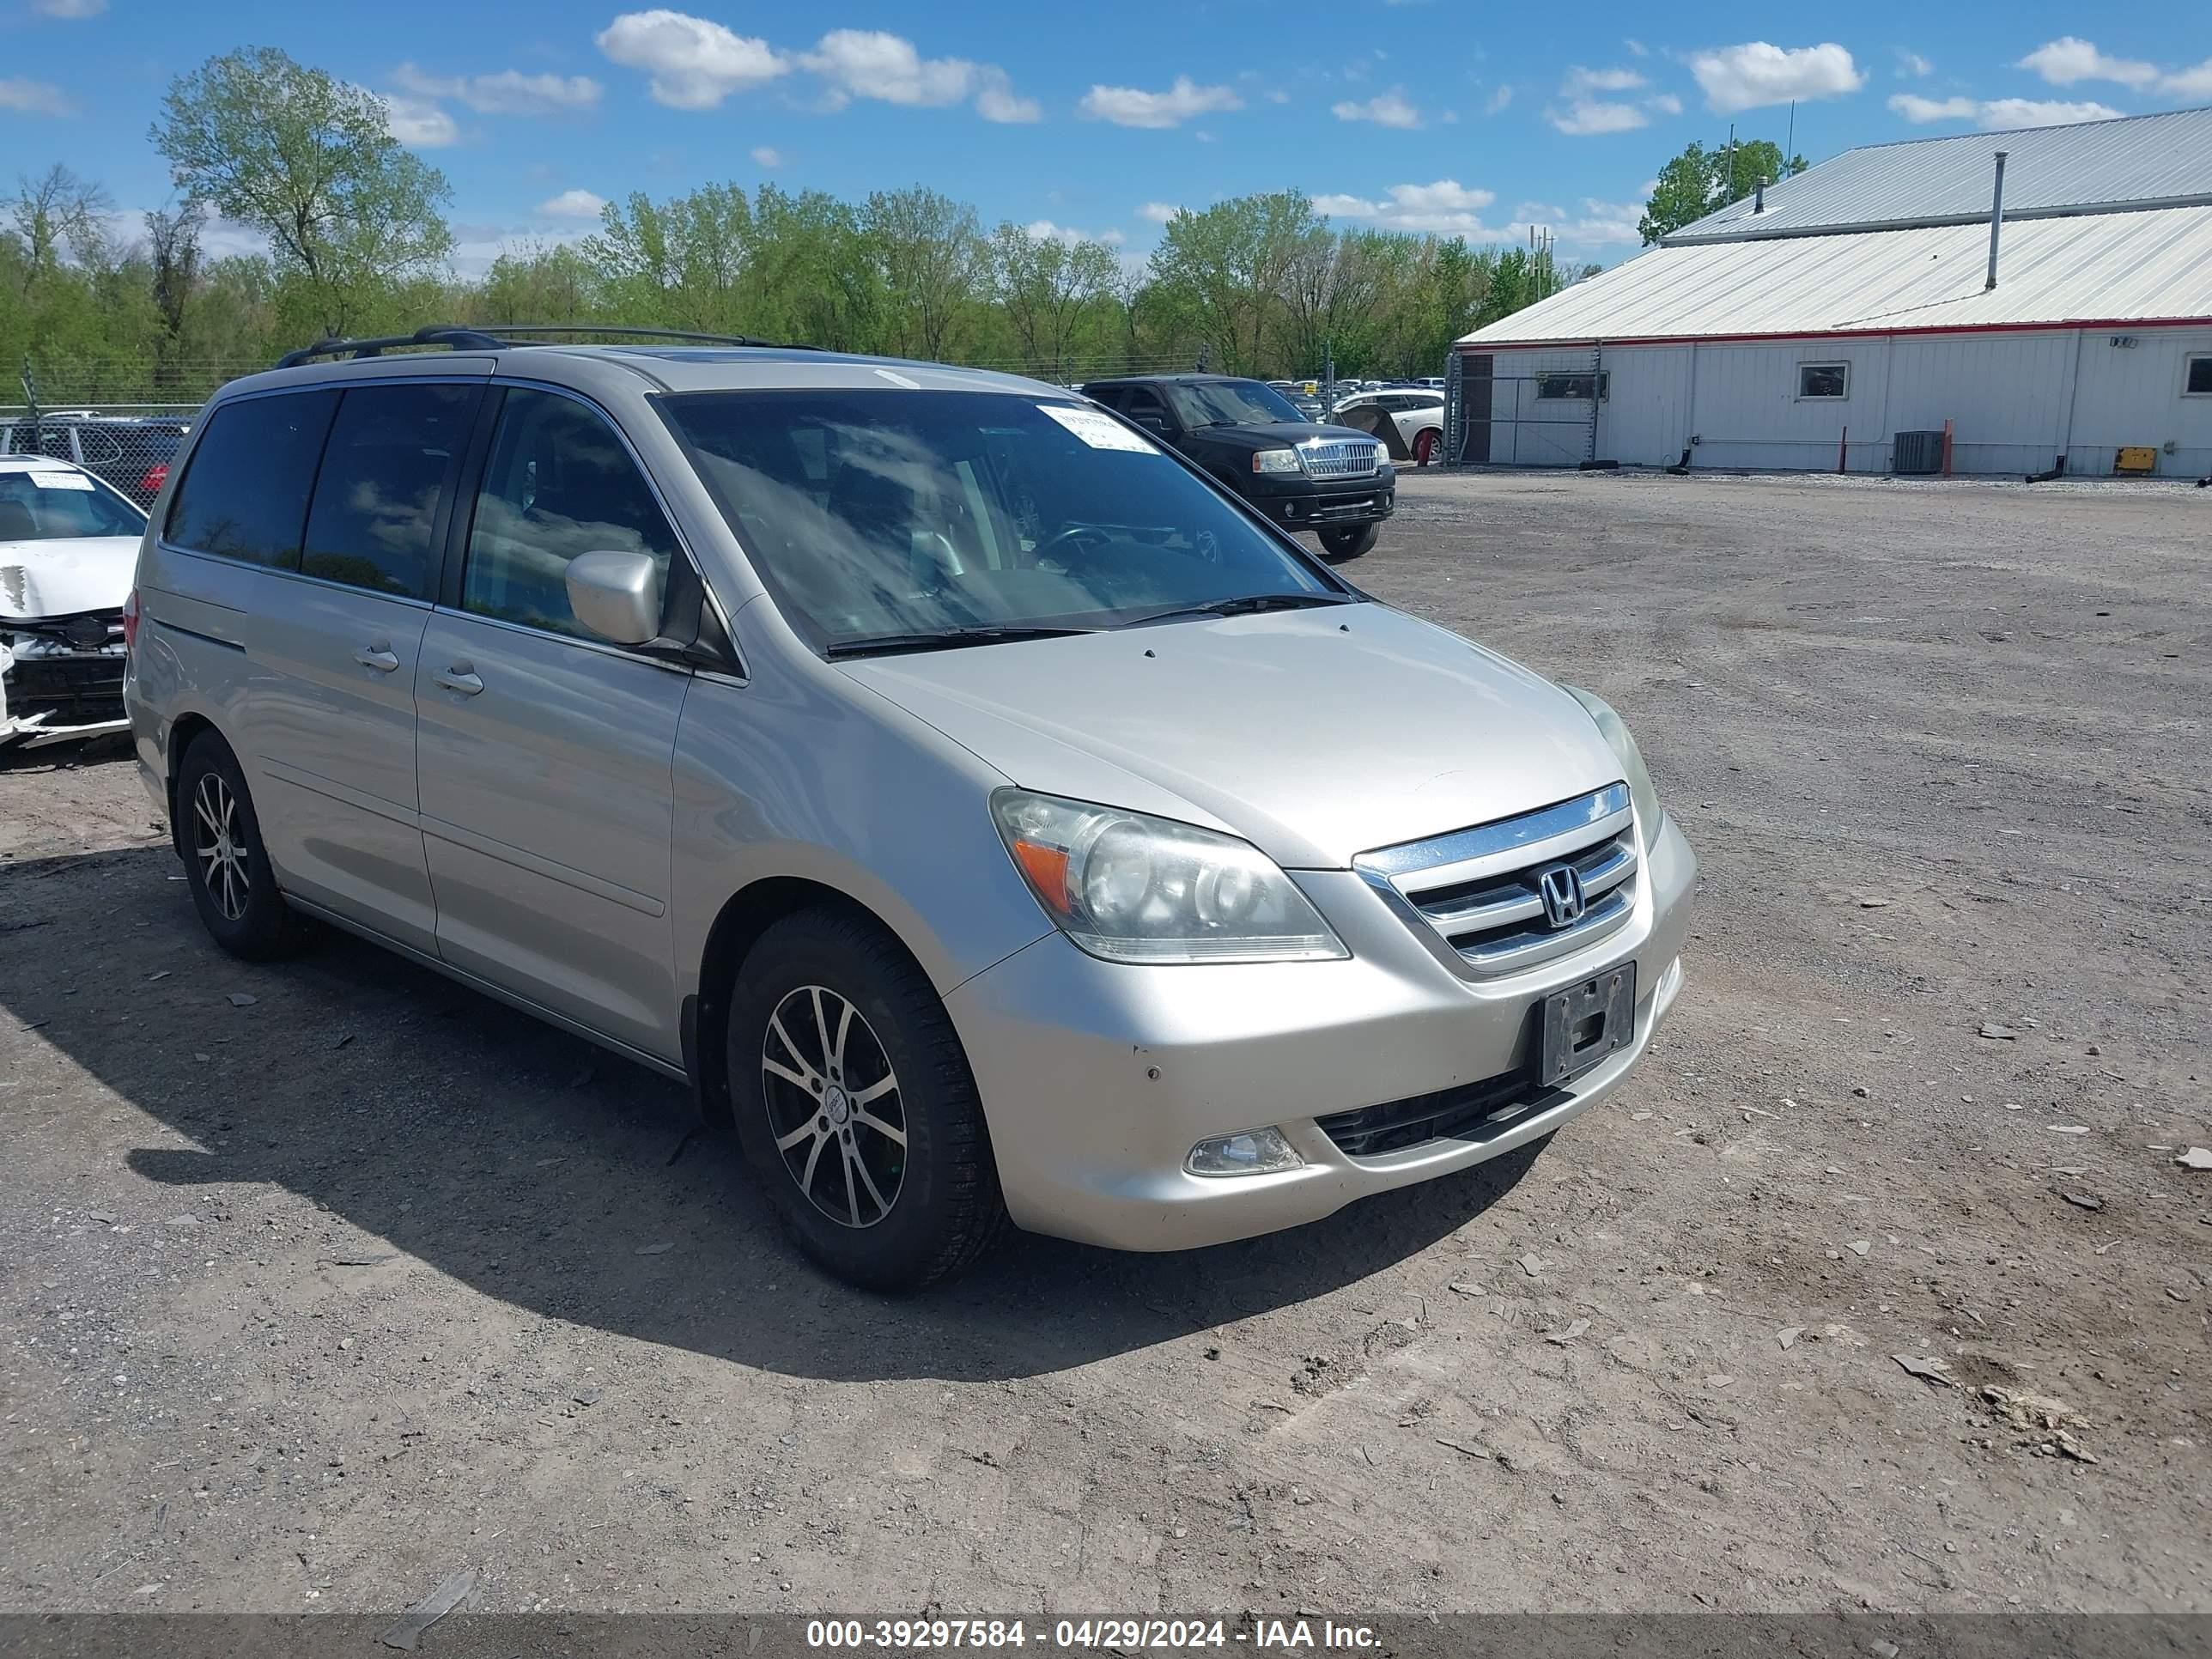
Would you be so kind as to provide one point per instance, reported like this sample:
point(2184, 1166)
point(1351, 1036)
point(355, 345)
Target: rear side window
point(559, 483)
point(245, 494)
point(386, 469)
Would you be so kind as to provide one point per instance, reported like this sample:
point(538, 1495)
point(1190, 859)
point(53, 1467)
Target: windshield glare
point(1229, 403)
point(55, 505)
point(871, 512)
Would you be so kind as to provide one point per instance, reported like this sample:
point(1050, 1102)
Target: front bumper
point(51, 693)
point(1311, 504)
point(1098, 1077)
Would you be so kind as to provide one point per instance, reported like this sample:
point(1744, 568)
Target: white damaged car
point(69, 543)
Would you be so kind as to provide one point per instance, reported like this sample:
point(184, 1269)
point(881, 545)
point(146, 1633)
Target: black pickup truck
point(1331, 480)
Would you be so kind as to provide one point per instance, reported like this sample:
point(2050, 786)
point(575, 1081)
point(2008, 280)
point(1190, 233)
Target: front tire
point(855, 1107)
point(1349, 542)
point(226, 862)
point(1427, 444)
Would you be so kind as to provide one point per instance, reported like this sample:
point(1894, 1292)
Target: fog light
point(1257, 1152)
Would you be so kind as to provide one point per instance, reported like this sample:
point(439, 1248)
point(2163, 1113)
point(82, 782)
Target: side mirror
point(616, 595)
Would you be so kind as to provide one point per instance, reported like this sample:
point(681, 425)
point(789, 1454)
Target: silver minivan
point(989, 816)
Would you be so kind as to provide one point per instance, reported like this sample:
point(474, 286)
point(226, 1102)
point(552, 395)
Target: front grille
point(1342, 458)
point(1481, 890)
point(1472, 1111)
point(69, 690)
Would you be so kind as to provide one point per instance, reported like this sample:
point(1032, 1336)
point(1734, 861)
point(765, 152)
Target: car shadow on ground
point(434, 1122)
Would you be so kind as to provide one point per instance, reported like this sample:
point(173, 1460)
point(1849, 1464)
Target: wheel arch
point(182, 731)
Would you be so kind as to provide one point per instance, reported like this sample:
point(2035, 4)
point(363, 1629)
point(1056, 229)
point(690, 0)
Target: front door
point(544, 753)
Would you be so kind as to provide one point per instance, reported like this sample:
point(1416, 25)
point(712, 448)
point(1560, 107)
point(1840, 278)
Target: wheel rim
point(218, 838)
point(834, 1106)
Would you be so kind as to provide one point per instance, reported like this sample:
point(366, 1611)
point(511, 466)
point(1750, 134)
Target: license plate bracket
point(1579, 1026)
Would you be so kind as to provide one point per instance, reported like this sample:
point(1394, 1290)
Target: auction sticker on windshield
point(1099, 431)
point(61, 480)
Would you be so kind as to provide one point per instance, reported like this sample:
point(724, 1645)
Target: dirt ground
point(320, 1282)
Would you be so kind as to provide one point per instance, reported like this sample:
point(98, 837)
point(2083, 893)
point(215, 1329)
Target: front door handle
point(378, 656)
point(460, 678)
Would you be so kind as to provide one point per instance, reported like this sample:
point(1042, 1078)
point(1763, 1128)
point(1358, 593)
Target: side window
point(393, 453)
point(245, 494)
point(1146, 409)
point(559, 483)
point(96, 447)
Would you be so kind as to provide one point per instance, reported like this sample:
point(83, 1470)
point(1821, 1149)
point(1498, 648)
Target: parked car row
point(971, 788)
point(131, 452)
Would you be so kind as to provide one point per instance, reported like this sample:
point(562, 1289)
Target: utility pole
point(1790, 144)
point(1731, 163)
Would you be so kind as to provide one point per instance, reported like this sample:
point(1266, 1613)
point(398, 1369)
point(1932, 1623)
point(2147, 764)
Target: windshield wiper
point(1244, 605)
point(869, 645)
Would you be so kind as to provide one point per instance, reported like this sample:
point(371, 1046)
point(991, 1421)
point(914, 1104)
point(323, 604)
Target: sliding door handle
point(378, 656)
point(460, 678)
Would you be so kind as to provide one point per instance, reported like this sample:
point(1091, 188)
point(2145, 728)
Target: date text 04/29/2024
point(1078, 1635)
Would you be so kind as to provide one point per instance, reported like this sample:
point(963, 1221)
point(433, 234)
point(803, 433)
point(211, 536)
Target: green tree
point(930, 250)
point(305, 160)
point(1700, 181)
point(1222, 271)
point(1046, 288)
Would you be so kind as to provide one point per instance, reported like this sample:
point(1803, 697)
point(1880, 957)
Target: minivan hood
point(1315, 734)
point(64, 578)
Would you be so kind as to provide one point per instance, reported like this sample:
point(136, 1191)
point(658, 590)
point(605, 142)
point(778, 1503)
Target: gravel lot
point(320, 1282)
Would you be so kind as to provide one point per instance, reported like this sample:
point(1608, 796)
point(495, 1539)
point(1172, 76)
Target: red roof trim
point(2124, 324)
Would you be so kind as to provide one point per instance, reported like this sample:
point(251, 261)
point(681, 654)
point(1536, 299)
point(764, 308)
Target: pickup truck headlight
point(1128, 887)
point(1648, 811)
point(1277, 460)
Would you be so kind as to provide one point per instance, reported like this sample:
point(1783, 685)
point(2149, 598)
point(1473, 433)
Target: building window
point(1574, 387)
point(1824, 381)
point(2199, 381)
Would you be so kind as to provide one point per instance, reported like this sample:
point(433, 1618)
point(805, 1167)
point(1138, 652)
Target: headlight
point(1631, 760)
point(1277, 460)
point(1131, 888)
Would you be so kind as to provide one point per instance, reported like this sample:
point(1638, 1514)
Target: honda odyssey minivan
point(991, 817)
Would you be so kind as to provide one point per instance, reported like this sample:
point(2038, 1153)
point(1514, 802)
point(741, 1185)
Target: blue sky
point(1427, 114)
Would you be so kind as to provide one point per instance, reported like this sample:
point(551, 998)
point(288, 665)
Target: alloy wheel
point(218, 838)
point(834, 1106)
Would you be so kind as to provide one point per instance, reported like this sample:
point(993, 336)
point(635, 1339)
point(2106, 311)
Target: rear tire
point(1426, 443)
point(855, 1107)
point(226, 862)
point(1351, 541)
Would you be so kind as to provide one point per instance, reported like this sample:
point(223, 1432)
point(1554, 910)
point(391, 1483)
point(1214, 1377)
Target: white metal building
point(1807, 329)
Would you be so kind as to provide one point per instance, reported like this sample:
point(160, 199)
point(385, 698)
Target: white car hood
point(1315, 734)
point(63, 578)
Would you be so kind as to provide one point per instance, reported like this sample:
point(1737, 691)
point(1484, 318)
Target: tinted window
point(2200, 375)
point(96, 446)
point(245, 494)
point(391, 454)
point(559, 483)
point(1823, 379)
point(950, 510)
point(44, 506)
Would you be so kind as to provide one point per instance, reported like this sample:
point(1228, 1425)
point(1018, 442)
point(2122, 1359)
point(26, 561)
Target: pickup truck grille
point(1483, 891)
point(1342, 458)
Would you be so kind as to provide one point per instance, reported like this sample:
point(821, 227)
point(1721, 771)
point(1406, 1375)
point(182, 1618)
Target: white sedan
point(1418, 414)
point(68, 545)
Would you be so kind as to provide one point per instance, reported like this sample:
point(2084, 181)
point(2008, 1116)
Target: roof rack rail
point(498, 336)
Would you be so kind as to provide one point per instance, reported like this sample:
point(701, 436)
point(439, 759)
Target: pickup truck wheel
point(1349, 542)
point(855, 1107)
point(227, 865)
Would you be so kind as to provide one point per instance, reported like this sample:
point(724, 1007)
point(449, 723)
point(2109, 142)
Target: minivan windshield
point(1229, 403)
point(912, 518)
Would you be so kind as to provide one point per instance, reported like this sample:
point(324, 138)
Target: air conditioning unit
point(1918, 454)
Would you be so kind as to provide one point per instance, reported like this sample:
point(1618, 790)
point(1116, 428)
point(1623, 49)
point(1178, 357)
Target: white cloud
point(2069, 58)
point(1912, 65)
point(1386, 109)
point(573, 204)
point(1921, 111)
point(2005, 113)
point(1665, 103)
point(72, 9)
point(34, 97)
point(2190, 82)
point(1585, 116)
point(1999, 114)
point(889, 69)
point(1580, 82)
point(1637, 48)
point(1498, 101)
point(1603, 224)
point(693, 63)
point(1276, 95)
point(996, 100)
point(1157, 213)
point(510, 92)
point(1130, 107)
point(1044, 230)
point(767, 156)
point(1755, 74)
point(417, 123)
point(1445, 206)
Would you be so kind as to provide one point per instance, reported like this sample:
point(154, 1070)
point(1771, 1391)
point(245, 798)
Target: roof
point(2134, 161)
point(39, 464)
point(1192, 379)
point(2128, 267)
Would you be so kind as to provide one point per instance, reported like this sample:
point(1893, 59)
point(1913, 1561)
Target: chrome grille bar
point(1342, 457)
